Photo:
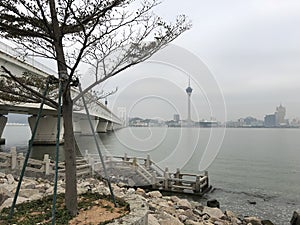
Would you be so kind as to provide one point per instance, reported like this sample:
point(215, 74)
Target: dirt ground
point(103, 211)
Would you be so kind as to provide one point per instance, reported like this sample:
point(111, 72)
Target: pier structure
point(131, 171)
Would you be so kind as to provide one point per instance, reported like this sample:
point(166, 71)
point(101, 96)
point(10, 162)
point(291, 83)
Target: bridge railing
point(25, 59)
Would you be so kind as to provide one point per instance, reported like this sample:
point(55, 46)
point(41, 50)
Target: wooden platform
point(131, 171)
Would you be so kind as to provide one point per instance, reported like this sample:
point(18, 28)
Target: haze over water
point(258, 165)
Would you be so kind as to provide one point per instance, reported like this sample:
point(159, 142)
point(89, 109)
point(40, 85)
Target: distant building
point(176, 117)
point(270, 120)
point(277, 119)
point(206, 123)
point(280, 114)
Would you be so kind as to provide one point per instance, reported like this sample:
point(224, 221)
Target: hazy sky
point(243, 58)
point(252, 49)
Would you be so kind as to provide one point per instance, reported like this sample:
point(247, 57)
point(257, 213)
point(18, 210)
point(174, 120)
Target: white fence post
point(13, 151)
point(47, 164)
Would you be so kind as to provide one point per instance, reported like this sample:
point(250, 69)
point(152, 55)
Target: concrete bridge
point(102, 118)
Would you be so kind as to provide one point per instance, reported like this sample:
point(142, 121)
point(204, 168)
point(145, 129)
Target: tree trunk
point(70, 155)
point(67, 113)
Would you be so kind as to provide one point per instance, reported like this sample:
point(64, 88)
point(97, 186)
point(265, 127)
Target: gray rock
point(7, 203)
point(29, 185)
point(3, 198)
point(267, 222)
point(184, 204)
point(10, 179)
point(2, 175)
point(214, 212)
point(141, 192)
point(152, 220)
point(253, 220)
point(170, 221)
point(191, 222)
point(175, 199)
point(36, 197)
point(182, 218)
point(197, 212)
point(26, 193)
point(130, 191)
point(214, 203)
point(154, 194)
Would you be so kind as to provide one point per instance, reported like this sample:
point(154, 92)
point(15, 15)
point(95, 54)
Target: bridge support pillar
point(110, 126)
point(76, 124)
point(3, 121)
point(85, 126)
point(46, 130)
point(102, 127)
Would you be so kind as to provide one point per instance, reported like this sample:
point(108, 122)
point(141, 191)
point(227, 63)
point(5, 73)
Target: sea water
point(254, 172)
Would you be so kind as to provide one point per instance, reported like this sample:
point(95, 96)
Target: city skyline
point(280, 112)
point(251, 49)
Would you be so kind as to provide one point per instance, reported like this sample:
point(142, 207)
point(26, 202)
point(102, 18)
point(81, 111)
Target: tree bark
point(70, 155)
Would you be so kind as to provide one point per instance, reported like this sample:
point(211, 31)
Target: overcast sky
point(251, 48)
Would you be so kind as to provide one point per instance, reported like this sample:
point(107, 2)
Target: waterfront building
point(270, 120)
point(277, 119)
point(280, 114)
point(176, 118)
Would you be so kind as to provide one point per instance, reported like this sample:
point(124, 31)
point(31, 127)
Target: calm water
point(261, 165)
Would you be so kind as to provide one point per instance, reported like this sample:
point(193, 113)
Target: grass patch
point(40, 211)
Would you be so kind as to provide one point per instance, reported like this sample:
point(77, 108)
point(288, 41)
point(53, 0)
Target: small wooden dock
point(131, 171)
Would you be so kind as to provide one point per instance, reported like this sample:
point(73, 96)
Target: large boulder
point(7, 203)
point(213, 203)
point(296, 218)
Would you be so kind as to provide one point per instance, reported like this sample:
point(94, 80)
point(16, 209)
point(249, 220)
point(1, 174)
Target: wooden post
point(125, 157)
point(13, 152)
point(47, 164)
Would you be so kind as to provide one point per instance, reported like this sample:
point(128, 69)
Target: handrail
point(29, 60)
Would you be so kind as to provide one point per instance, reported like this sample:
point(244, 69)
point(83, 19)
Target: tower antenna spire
point(189, 92)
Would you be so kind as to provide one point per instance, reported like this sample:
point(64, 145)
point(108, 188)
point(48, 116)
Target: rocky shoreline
point(162, 210)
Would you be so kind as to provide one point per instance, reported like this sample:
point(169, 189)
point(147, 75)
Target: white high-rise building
point(280, 114)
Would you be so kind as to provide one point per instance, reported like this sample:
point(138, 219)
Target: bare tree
point(110, 35)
